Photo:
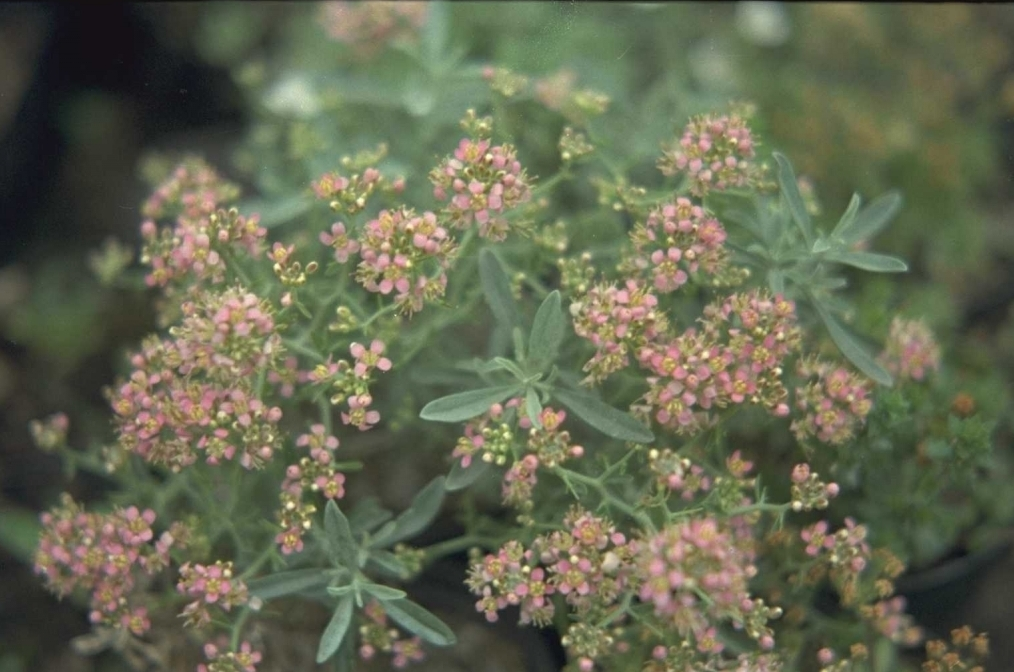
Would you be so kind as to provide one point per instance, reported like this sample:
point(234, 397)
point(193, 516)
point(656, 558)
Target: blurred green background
point(862, 97)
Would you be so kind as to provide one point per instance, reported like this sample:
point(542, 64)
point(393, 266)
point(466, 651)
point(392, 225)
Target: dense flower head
point(558, 92)
point(210, 584)
point(103, 554)
point(911, 352)
point(619, 321)
point(834, 405)
point(808, 491)
point(480, 184)
point(191, 394)
point(714, 153)
point(349, 195)
point(678, 239)
point(695, 574)
point(50, 433)
point(193, 190)
point(368, 25)
point(890, 620)
point(736, 356)
point(588, 562)
point(405, 254)
point(351, 382)
point(245, 659)
point(192, 197)
point(677, 474)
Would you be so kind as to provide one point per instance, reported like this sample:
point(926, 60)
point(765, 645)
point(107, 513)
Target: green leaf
point(848, 219)
point(286, 583)
point(496, 286)
point(336, 629)
point(776, 281)
point(436, 31)
point(19, 533)
point(368, 515)
point(790, 190)
point(870, 219)
point(608, 420)
point(868, 261)
point(415, 518)
point(341, 546)
point(278, 211)
point(852, 349)
point(547, 331)
point(384, 593)
point(419, 621)
point(467, 405)
point(338, 591)
point(462, 477)
point(389, 562)
point(534, 407)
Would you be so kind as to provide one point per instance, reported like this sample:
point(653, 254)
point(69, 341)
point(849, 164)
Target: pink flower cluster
point(736, 357)
point(480, 184)
point(808, 491)
point(103, 554)
point(714, 152)
point(618, 321)
point(911, 352)
point(368, 26)
point(588, 562)
point(192, 392)
point(890, 620)
point(376, 634)
point(244, 660)
point(845, 549)
point(351, 382)
point(696, 572)
point(315, 473)
point(679, 238)
point(834, 406)
point(211, 584)
point(406, 254)
point(677, 474)
point(347, 194)
point(194, 245)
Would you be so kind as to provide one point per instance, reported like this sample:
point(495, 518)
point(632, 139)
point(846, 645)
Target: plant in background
point(685, 439)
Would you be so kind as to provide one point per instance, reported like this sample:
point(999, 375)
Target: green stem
point(752, 508)
point(457, 544)
point(567, 475)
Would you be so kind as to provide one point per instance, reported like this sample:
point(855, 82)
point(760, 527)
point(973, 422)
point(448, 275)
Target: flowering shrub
point(671, 403)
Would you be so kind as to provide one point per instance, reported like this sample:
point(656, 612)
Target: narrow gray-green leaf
point(868, 261)
point(338, 591)
point(852, 349)
point(368, 515)
point(467, 405)
point(871, 219)
point(603, 417)
point(462, 477)
point(419, 621)
point(415, 518)
point(496, 286)
point(384, 593)
point(341, 545)
point(533, 407)
point(336, 629)
point(790, 190)
point(776, 281)
point(286, 583)
point(547, 331)
point(278, 211)
point(847, 219)
point(388, 562)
